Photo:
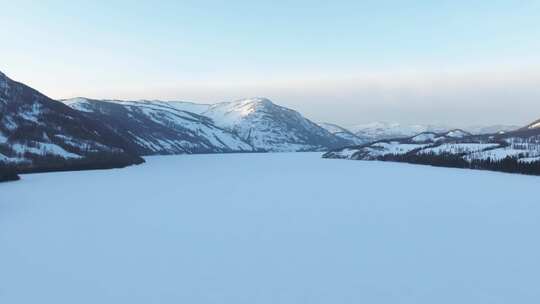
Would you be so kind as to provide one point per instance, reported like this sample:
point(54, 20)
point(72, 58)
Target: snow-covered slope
point(157, 127)
point(517, 151)
point(38, 133)
point(343, 133)
point(192, 107)
point(269, 127)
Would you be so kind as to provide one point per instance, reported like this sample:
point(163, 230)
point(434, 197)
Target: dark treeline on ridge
point(508, 164)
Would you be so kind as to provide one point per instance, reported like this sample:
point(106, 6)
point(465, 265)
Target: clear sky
point(457, 62)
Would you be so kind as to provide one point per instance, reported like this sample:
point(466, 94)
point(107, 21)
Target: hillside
point(516, 152)
point(40, 134)
point(154, 127)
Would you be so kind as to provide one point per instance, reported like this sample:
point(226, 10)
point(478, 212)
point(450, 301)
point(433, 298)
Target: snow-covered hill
point(157, 127)
point(40, 134)
point(517, 151)
point(343, 133)
point(269, 127)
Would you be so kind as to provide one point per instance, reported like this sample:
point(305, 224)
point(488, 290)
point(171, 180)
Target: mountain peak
point(257, 101)
point(269, 127)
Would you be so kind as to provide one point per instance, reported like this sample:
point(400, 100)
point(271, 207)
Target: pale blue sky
point(341, 61)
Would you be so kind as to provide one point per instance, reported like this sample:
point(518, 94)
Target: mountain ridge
point(159, 128)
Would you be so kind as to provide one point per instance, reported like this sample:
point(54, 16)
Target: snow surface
point(193, 107)
point(270, 228)
point(78, 103)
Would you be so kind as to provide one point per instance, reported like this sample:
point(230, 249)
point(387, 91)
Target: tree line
point(508, 164)
point(8, 173)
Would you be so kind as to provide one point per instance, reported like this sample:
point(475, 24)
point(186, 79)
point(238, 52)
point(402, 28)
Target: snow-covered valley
point(269, 228)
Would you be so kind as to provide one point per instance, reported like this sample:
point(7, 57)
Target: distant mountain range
point(514, 151)
point(386, 130)
point(41, 134)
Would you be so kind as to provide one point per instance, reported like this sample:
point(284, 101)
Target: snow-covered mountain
point(269, 127)
point(170, 127)
point(385, 130)
point(343, 133)
point(40, 134)
point(157, 127)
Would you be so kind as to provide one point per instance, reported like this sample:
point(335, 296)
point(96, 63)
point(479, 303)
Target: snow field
point(270, 228)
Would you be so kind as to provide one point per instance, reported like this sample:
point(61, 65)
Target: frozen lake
point(270, 228)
